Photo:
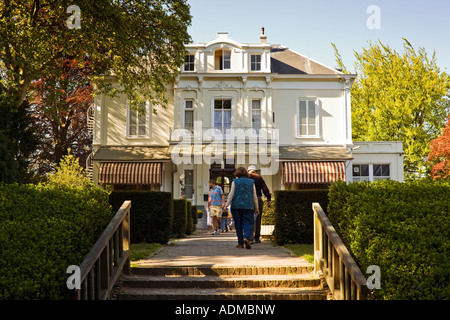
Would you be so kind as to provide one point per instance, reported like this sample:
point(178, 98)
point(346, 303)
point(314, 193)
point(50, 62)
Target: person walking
point(216, 205)
point(224, 226)
point(244, 204)
point(261, 188)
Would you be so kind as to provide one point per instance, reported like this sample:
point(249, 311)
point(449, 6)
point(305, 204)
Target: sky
point(309, 27)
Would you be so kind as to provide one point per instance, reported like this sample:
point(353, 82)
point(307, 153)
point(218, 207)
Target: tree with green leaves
point(134, 47)
point(138, 44)
point(399, 96)
point(18, 141)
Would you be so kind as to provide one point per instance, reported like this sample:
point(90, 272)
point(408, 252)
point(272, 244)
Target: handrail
point(331, 257)
point(108, 257)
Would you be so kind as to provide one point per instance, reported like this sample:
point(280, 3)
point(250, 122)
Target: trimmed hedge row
point(294, 216)
point(43, 230)
point(151, 216)
point(156, 216)
point(179, 217)
point(404, 228)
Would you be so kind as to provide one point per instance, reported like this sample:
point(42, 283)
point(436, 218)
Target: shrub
point(194, 217)
point(268, 216)
point(194, 214)
point(151, 214)
point(43, 230)
point(189, 220)
point(69, 173)
point(179, 217)
point(294, 215)
point(401, 227)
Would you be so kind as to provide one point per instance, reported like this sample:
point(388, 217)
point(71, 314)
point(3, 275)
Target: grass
point(139, 251)
point(305, 251)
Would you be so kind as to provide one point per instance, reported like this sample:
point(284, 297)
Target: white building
point(298, 108)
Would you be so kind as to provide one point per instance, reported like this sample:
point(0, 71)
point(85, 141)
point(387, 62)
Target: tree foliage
point(18, 141)
point(399, 97)
point(59, 105)
point(139, 44)
point(440, 154)
point(69, 173)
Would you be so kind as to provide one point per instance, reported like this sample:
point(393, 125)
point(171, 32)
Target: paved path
point(204, 249)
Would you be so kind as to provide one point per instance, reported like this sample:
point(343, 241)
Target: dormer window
point(189, 62)
point(255, 62)
point(222, 60)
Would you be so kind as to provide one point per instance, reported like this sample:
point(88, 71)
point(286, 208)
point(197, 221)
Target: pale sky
point(309, 27)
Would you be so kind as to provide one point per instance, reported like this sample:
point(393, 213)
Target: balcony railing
point(234, 134)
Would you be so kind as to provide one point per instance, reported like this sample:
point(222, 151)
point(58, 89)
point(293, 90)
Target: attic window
point(222, 60)
point(189, 62)
point(255, 62)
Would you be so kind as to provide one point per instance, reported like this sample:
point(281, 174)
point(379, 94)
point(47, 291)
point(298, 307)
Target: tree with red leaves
point(440, 154)
point(59, 104)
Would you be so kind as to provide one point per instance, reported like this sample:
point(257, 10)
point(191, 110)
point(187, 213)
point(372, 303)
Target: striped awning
point(130, 173)
point(313, 171)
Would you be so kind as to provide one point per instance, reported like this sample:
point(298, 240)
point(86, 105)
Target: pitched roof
point(286, 61)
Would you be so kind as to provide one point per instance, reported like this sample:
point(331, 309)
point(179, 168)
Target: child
point(225, 218)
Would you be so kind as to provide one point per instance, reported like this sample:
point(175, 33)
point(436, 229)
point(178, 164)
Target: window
point(222, 59)
point(222, 114)
point(361, 172)
point(138, 123)
point(188, 114)
point(255, 62)
point(189, 64)
point(381, 172)
point(189, 184)
point(307, 118)
point(371, 172)
point(256, 114)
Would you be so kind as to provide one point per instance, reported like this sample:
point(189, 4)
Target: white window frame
point(371, 177)
point(190, 169)
point(260, 113)
point(147, 122)
point(316, 134)
point(257, 64)
point(189, 63)
point(212, 110)
point(217, 68)
point(375, 178)
point(185, 108)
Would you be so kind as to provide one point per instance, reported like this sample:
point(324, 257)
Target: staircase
point(221, 283)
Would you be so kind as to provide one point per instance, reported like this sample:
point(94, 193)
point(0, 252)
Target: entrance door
point(223, 178)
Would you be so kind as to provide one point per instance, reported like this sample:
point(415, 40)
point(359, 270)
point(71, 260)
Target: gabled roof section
point(287, 61)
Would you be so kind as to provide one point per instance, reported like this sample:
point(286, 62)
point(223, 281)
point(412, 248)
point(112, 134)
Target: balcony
point(200, 134)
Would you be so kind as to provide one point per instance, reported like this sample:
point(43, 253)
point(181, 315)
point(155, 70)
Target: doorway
point(222, 176)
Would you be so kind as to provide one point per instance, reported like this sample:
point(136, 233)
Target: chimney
point(222, 35)
point(262, 37)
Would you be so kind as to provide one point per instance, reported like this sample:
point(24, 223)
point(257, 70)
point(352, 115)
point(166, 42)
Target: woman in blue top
point(244, 204)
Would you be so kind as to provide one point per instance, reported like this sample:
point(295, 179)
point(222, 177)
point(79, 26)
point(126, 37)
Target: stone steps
point(221, 283)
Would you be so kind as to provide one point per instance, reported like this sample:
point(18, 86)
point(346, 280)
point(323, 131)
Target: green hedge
point(194, 215)
point(404, 228)
point(151, 214)
point(179, 217)
point(43, 230)
point(294, 215)
point(189, 220)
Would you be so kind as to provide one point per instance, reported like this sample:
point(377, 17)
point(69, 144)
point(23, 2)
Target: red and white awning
point(313, 171)
point(130, 173)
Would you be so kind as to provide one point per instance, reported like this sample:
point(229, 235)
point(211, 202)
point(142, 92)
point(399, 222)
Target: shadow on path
point(204, 249)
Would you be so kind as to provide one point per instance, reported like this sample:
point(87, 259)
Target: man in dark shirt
point(261, 188)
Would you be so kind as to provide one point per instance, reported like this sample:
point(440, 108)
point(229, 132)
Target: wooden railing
point(108, 257)
point(331, 257)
